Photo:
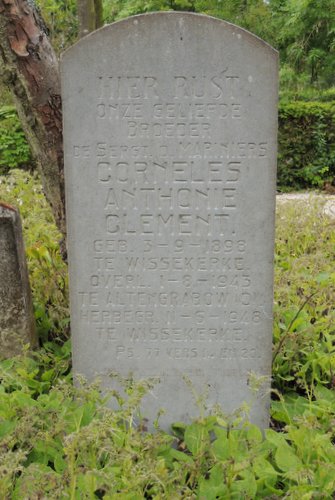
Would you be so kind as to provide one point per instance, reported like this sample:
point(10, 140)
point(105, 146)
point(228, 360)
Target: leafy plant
point(14, 150)
point(304, 331)
point(306, 144)
point(48, 273)
point(63, 442)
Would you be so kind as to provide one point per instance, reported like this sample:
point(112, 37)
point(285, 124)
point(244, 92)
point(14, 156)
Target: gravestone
point(17, 326)
point(170, 127)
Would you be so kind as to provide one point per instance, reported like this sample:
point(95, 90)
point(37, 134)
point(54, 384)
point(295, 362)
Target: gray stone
point(17, 325)
point(170, 124)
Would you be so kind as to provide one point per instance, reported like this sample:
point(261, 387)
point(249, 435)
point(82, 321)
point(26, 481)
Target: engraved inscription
point(169, 153)
point(178, 197)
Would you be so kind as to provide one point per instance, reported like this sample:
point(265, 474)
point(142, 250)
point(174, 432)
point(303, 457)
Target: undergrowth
point(58, 441)
point(48, 273)
point(14, 150)
point(61, 441)
point(304, 326)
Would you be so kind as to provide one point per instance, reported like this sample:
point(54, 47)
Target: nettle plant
point(58, 441)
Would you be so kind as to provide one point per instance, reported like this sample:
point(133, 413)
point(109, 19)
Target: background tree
point(303, 30)
point(305, 36)
point(250, 14)
point(90, 15)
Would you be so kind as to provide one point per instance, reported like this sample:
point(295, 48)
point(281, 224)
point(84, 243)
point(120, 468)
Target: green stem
point(287, 332)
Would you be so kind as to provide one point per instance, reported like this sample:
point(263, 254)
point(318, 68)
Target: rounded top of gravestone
point(144, 24)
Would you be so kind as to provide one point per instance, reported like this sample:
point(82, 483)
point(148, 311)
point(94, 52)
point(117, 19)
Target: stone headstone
point(170, 127)
point(17, 325)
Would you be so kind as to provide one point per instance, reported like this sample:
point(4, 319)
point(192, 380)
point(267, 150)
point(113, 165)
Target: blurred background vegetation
point(302, 30)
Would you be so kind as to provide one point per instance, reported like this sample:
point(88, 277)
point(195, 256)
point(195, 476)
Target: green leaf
point(276, 438)
point(322, 392)
point(48, 375)
point(178, 429)
point(246, 486)
point(286, 459)
point(208, 492)
point(180, 456)
point(254, 435)
point(23, 399)
point(196, 438)
point(264, 469)
point(220, 446)
point(6, 427)
point(59, 463)
point(214, 487)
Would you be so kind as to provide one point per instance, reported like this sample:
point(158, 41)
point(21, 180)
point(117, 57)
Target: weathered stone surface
point(17, 326)
point(170, 158)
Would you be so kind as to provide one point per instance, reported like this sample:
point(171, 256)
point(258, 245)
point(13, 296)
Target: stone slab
point(170, 123)
point(17, 324)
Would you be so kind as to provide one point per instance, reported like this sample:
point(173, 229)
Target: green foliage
point(5, 99)
point(305, 37)
point(120, 9)
point(48, 273)
point(306, 144)
point(303, 30)
point(254, 15)
point(58, 441)
point(304, 298)
point(306, 94)
point(61, 21)
point(14, 150)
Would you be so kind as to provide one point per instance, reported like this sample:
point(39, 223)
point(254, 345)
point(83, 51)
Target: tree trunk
point(89, 15)
point(99, 21)
point(29, 67)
